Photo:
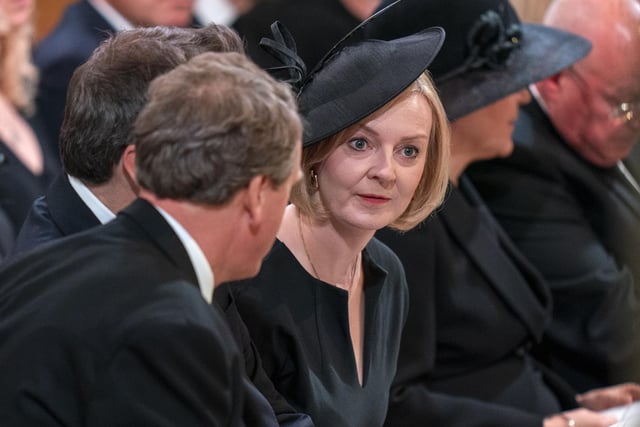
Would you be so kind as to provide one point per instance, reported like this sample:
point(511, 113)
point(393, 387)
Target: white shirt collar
point(198, 260)
point(94, 204)
point(112, 16)
point(536, 95)
point(217, 11)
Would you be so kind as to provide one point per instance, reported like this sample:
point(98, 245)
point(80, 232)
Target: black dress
point(19, 187)
point(477, 309)
point(300, 327)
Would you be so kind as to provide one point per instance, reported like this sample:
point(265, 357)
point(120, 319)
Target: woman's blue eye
point(358, 144)
point(410, 151)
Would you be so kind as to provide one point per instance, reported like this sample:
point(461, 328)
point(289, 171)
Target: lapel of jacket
point(622, 187)
point(153, 224)
point(535, 125)
point(67, 209)
point(519, 285)
point(85, 14)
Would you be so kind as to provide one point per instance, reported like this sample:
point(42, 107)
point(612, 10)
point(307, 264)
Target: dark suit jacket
point(580, 226)
point(70, 44)
point(59, 213)
point(107, 328)
point(476, 309)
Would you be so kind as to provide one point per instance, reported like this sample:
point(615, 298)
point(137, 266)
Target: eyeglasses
point(627, 113)
point(620, 113)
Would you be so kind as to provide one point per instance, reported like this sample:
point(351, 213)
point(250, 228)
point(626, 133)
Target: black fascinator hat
point(488, 53)
point(355, 78)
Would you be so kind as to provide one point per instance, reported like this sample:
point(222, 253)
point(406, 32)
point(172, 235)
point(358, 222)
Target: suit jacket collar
point(83, 12)
point(512, 277)
point(150, 221)
point(67, 210)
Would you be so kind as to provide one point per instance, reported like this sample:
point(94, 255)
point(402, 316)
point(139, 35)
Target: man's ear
point(256, 198)
point(551, 87)
point(129, 166)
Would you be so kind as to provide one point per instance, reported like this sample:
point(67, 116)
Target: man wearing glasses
point(568, 201)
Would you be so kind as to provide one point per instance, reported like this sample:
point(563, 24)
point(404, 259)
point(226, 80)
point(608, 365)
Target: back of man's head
point(107, 92)
point(213, 124)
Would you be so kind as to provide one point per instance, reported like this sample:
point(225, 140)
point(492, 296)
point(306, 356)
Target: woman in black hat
point(327, 309)
point(478, 309)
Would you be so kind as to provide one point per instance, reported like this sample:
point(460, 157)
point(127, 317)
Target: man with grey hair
point(568, 201)
point(114, 326)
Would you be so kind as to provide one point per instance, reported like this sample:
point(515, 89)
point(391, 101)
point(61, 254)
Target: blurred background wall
point(531, 10)
point(48, 12)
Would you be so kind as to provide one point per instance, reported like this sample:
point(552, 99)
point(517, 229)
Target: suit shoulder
point(39, 227)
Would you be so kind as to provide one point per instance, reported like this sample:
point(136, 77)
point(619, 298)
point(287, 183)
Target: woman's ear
point(551, 87)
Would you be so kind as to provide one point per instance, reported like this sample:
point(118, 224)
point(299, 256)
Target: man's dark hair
point(107, 92)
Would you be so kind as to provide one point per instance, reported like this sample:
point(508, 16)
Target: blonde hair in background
point(18, 76)
point(435, 177)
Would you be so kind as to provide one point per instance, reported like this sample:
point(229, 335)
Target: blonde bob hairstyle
point(433, 183)
point(18, 76)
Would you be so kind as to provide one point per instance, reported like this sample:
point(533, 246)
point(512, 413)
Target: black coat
point(580, 226)
point(477, 308)
point(107, 327)
point(62, 213)
point(19, 187)
point(7, 234)
point(59, 213)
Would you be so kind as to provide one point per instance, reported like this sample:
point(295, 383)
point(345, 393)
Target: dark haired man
point(105, 96)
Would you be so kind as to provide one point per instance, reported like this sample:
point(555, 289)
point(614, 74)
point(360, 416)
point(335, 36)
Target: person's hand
point(581, 418)
point(608, 397)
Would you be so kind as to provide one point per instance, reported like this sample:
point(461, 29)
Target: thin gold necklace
point(313, 267)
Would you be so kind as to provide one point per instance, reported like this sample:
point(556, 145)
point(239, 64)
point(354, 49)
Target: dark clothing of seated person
point(326, 310)
point(570, 201)
point(478, 309)
point(115, 326)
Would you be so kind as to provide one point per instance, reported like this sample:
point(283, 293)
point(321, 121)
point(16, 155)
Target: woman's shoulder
point(279, 269)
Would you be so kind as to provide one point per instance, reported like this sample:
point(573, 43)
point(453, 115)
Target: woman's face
point(18, 12)
point(368, 181)
point(487, 133)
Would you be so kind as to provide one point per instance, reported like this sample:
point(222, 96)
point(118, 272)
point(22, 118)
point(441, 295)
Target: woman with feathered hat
point(327, 309)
